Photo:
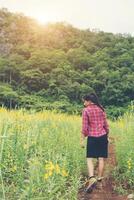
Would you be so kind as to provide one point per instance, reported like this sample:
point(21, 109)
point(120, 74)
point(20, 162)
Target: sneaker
point(100, 179)
point(91, 183)
point(100, 183)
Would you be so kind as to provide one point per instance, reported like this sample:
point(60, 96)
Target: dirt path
point(105, 190)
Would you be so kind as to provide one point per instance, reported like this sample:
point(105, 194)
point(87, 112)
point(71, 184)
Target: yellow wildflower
point(129, 166)
point(50, 173)
point(14, 168)
point(49, 166)
point(129, 162)
point(57, 168)
point(64, 173)
point(46, 176)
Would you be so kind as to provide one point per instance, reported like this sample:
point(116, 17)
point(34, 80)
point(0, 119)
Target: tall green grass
point(40, 155)
point(123, 131)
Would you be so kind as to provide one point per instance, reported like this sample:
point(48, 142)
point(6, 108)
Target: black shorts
point(97, 147)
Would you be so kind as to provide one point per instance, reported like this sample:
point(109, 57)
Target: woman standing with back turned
point(95, 128)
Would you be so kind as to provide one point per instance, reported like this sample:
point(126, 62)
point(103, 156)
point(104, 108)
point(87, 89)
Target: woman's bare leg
point(90, 166)
point(101, 167)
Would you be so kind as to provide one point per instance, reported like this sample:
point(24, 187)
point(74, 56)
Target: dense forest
point(52, 66)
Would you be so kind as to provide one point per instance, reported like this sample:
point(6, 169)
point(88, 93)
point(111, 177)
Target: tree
point(8, 97)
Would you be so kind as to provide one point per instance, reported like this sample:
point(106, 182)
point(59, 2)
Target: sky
point(116, 16)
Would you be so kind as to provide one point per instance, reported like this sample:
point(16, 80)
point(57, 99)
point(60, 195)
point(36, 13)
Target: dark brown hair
point(93, 98)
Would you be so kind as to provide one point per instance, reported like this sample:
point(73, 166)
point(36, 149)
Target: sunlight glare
point(44, 18)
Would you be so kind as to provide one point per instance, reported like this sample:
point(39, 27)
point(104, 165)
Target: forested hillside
point(52, 66)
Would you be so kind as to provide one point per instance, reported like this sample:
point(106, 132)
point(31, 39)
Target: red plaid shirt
point(94, 121)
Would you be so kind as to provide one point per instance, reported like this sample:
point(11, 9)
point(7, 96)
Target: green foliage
point(8, 97)
point(40, 155)
point(122, 130)
point(37, 103)
point(114, 112)
point(56, 60)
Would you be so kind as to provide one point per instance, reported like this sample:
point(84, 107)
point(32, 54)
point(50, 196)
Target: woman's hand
point(82, 144)
point(82, 141)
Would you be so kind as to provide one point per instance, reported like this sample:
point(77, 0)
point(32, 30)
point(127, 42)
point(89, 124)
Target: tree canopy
point(57, 62)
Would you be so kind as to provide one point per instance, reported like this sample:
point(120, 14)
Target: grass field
point(123, 132)
point(41, 157)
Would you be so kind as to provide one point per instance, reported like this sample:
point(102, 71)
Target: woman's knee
point(101, 159)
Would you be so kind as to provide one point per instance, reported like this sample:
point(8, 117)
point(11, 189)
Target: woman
point(96, 129)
